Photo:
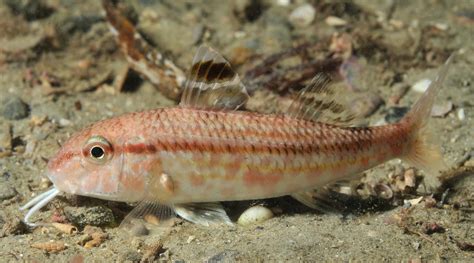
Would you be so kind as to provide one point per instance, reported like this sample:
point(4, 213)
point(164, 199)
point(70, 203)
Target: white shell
point(302, 16)
point(255, 214)
point(421, 85)
point(461, 114)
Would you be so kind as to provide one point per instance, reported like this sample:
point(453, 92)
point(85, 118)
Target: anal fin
point(320, 200)
point(330, 198)
point(205, 214)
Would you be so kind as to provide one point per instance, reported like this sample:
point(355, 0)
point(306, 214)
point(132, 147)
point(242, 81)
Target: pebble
point(94, 216)
point(255, 214)
point(6, 191)
point(15, 109)
point(335, 21)
point(366, 104)
point(5, 140)
point(398, 91)
point(139, 229)
point(421, 85)
point(441, 110)
point(302, 16)
point(190, 239)
point(395, 114)
point(31, 9)
point(131, 256)
point(283, 2)
point(461, 114)
point(227, 255)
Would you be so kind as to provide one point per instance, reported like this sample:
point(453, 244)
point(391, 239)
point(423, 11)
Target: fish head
point(90, 163)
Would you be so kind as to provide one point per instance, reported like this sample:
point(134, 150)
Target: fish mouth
point(35, 204)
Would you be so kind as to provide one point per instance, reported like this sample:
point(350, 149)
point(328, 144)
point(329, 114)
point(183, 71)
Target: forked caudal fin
point(424, 153)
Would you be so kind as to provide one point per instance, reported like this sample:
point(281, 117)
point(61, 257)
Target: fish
point(185, 160)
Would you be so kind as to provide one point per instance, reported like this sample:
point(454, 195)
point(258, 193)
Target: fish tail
point(424, 153)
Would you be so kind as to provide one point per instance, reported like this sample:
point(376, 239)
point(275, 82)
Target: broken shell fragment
point(65, 228)
point(255, 214)
point(50, 247)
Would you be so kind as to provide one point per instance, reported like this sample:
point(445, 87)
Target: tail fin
point(424, 153)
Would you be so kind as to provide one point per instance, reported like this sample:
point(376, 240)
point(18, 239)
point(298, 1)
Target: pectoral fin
point(205, 214)
point(148, 213)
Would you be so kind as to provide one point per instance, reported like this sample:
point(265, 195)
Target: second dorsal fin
point(212, 83)
point(319, 101)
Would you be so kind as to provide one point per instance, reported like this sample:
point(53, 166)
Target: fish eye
point(97, 150)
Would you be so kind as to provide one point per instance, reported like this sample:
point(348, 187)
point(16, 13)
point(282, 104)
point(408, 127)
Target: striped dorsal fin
point(212, 83)
point(319, 101)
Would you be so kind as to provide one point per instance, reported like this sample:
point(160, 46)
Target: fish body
point(186, 158)
point(220, 156)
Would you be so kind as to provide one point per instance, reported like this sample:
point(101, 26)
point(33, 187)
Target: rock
point(139, 229)
point(12, 226)
point(94, 216)
point(335, 21)
point(249, 10)
point(255, 214)
point(398, 91)
point(227, 255)
point(15, 109)
point(421, 86)
point(302, 16)
point(441, 110)
point(30, 9)
point(366, 104)
point(131, 256)
point(395, 114)
point(5, 140)
point(81, 23)
point(461, 115)
point(6, 191)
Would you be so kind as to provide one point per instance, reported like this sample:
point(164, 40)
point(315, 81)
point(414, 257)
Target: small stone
point(198, 32)
point(302, 16)
point(12, 226)
point(366, 104)
point(31, 9)
point(335, 21)
point(461, 115)
point(5, 140)
point(395, 114)
point(131, 256)
point(227, 255)
point(255, 214)
point(190, 239)
point(64, 122)
point(15, 109)
point(416, 245)
point(398, 91)
point(421, 86)
point(441, 26)
point(94, 216)
point(6, 191)
point(441, 110)
point(432, 227)
point(283, 2)
point(139, 229)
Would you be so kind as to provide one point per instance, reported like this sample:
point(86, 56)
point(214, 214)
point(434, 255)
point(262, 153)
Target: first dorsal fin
point(212, 83)
point(319, 101)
